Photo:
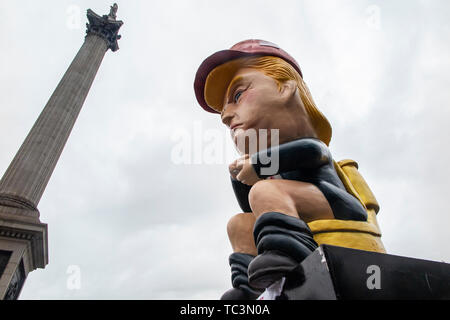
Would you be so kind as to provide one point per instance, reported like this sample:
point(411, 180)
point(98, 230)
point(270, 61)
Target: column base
point(23, 248)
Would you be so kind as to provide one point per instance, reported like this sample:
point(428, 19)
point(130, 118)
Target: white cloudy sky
point(139, 226)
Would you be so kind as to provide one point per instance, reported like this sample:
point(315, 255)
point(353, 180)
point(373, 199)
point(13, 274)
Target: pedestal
point(337, 273)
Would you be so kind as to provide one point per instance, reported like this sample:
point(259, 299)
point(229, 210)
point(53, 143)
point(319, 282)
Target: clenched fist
point(242, 170)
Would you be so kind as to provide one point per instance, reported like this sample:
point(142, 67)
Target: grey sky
point(139, 226)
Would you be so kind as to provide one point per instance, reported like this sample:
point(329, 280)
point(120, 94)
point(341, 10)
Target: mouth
point(235, 126)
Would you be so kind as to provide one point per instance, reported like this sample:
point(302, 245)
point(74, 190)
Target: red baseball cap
point(241, 49)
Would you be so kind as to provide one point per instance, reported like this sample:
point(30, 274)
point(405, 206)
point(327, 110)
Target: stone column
point(23, 238)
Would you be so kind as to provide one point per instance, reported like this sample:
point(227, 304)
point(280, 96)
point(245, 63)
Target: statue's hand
point(242, 170)
point(235, 167)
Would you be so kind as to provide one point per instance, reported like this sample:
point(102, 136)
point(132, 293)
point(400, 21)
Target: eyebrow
point(232, 84)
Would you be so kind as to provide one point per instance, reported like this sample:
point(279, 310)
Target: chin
point(247, 147)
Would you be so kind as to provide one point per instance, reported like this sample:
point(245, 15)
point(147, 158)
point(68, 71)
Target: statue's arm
point(307, 153)
point(241, 192)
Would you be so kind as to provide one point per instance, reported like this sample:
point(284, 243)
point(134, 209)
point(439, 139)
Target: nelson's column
point(23, 237)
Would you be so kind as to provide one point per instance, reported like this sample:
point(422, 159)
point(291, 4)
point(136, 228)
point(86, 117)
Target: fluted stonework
point(28, 174)
point(23, 238)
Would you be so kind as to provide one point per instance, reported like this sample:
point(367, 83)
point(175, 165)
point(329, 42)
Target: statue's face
point(254, 101)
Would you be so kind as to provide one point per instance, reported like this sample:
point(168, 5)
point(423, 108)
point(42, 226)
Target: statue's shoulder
point(311, 140)
point(310, 143)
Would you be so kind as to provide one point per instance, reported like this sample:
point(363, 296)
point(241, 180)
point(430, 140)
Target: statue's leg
point(282, 237)
point(294, 198)
point(240, 233)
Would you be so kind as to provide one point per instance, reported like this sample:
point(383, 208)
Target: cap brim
point(207, 66)
point(223, 56)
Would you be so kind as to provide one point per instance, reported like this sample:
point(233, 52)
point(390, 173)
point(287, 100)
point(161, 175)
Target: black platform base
point(340, 273)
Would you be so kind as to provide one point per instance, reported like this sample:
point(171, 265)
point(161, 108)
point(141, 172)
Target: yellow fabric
point(350, 168)
point(360, 235)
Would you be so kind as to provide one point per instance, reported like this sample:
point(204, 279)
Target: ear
point(288, 89)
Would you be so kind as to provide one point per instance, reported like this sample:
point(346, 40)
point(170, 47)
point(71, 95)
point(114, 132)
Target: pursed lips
point(234, 126)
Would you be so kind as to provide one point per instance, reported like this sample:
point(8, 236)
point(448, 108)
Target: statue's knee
point(265, 191)
point(240, 223)
point(257, 192)
point(270, 195)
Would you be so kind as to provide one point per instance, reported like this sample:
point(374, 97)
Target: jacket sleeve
point(306, 153)
point(241, 192)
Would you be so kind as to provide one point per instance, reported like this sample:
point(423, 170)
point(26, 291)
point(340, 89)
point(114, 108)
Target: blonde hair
point(281, 71)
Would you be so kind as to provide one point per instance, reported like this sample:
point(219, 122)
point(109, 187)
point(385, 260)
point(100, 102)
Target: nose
point(227, 115)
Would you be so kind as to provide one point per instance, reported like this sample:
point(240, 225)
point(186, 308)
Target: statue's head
point(256, 85)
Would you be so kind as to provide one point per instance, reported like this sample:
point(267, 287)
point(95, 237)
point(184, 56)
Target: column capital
point(106, 26)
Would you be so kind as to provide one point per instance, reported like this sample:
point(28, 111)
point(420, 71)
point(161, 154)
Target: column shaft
point(28, 174)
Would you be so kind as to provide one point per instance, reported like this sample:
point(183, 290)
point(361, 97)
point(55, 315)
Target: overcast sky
point(130, 220)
